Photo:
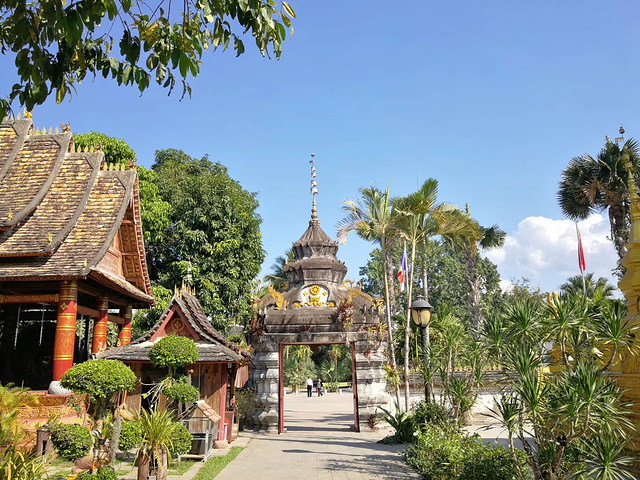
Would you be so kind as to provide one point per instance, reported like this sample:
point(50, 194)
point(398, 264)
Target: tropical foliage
point(599, 184)
point(77, 39)
point(213, 227)
point(573, 415)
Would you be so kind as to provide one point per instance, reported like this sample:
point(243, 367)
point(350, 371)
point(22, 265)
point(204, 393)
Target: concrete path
point(318, 445)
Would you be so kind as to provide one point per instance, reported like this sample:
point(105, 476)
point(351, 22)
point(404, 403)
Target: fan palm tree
point(372, 219)
point(418, 217)
point(592, 185)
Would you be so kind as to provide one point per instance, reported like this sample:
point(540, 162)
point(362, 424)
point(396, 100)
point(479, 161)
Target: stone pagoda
point(317, 307)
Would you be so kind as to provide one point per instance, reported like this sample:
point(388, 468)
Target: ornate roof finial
point(314, 188)
point(620, 139)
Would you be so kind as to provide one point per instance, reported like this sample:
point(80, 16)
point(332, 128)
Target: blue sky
point(490, 98)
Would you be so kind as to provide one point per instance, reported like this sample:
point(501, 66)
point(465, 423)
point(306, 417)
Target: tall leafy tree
point(214, 228)
point(57, 44)
point(599, 184)
point(371, 218)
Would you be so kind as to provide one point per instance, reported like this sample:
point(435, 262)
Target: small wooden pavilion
point(222, 366)
point(72, 257)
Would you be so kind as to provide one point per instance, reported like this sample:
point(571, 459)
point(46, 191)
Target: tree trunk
point(163, 465)
point(114, 441)
point(475, 314)
point(143, 466)
point(407, 328)
point(388, 286)
point(99, 425)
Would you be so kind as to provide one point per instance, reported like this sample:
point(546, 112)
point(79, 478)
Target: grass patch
point(181, 467)
point(215, 464)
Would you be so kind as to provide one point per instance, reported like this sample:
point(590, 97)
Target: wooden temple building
point(72, 258)
point(222, 366)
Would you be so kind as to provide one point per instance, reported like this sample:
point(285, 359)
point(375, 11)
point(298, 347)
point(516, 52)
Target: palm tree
point(371, 217)
point(471, 240)
point(591, 185)
point(418, 217)
point(277, 277)
point(158, 427)
point(600, 288)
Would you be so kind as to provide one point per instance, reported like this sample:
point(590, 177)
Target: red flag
point(402, 273)
point(581, 263)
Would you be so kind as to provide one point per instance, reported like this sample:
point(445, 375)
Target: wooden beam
point(116, 319)
point(93, 313)
point(36, 298)
point(84, 287)
point(89, 312)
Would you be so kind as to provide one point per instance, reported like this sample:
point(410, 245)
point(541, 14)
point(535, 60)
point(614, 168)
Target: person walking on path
point(320, 392)
point(309, 386)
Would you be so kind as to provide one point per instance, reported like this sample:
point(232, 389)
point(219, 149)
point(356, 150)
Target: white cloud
point(545, 251)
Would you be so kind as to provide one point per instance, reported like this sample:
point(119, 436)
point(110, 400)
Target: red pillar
point(124, 338)
point(65, 340)
point(100, 328)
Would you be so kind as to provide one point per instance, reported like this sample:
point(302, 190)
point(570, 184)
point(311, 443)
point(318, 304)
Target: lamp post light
point(421, 315)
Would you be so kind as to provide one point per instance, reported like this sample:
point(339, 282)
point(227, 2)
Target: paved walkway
point(318, 445)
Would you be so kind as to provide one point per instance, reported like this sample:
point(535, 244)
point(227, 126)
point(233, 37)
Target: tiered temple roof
point(65, 214)
point(183, 316)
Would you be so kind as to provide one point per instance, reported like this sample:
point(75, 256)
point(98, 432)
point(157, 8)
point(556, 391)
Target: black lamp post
point(421, 315)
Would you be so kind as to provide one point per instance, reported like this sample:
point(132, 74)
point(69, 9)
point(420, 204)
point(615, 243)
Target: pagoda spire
point(314, 189)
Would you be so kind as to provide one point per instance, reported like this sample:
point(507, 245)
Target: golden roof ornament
point(633, 195)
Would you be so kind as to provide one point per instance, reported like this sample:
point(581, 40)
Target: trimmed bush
point(99, 378)
point(130, 436)
point(71, 441)
point(174, 352)
point(180, 440)
point(181, 390)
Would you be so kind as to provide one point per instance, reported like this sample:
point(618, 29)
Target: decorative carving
point(281, 303)
point(297, 304)
point(316, 296)
point(356, 291)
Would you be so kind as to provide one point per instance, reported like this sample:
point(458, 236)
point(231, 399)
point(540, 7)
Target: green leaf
point(289, 10)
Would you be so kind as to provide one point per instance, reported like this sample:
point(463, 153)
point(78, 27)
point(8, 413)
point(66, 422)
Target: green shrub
point(245, 404)
point(430, 413)
point(99, 378)
point(173, 352)
point(180, 440)
point(130, 436)
point(402, 423)
point(493, 463)
point(71, 441)
point(181, 390)
point(456, 455)
point(103, 473)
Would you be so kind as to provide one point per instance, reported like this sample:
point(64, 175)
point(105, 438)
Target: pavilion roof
point(61, 210)
point(185, 309)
